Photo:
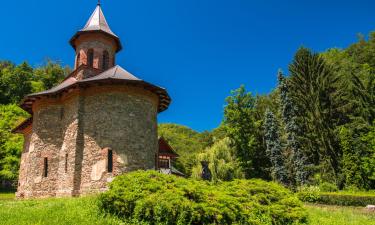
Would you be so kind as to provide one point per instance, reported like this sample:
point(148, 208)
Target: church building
point(99, 122)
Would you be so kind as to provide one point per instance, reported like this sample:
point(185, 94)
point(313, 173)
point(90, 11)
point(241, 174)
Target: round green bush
point(153, 198)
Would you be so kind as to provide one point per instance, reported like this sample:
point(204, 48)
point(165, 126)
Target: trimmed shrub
point(313, 194)
point(346, 199)
point(154, 198)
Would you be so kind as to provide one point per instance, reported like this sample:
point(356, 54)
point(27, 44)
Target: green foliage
point(294, 134)
point(239, 119)
point(154, 198)
point(222, 162)
point(368, 160)
point(328, 187)
point(10, 144)
point(18, 81)
point(308, 193)
point(353, 150)
point(274, 149)
point(50, 74)
point(313, 194)
point(313, 87)
point(186, 142)
point(332, 198)
point(14, 82)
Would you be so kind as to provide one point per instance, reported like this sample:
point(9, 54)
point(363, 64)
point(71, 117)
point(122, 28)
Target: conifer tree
point(293, 131)
point(274, 149)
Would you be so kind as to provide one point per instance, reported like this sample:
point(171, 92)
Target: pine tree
point(274, 149)
point(293, 131)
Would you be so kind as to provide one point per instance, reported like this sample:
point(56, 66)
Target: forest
point(316, 128)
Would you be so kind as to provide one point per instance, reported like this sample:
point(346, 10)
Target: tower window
point(105, 60)
point(110, 161)
point(45, 169)
point(90, 57)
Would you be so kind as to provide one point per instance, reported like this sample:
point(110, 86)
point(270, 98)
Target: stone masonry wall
point(45, 142)
point(76, 132)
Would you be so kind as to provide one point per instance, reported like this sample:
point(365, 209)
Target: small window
point(105, 60)
point(90, 57)
point(45, 172)
point(164, 163)
point(110, 161)
point(66, 163)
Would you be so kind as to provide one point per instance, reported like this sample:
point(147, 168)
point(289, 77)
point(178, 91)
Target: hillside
point(186, 142)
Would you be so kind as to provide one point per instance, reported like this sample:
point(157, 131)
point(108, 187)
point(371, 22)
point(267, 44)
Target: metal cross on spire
point(98, 2)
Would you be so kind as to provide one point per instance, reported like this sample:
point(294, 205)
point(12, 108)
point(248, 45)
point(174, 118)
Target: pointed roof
point(97, 23)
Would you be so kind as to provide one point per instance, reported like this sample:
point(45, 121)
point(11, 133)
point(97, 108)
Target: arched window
point(105, 60)
point(90, 57)
point(78, 60)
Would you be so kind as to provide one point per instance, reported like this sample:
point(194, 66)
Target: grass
point(53, 211)
point(6, 195)
point(339, 215)
point(84, 210)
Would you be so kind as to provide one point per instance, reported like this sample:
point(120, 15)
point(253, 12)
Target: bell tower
point(95, 45)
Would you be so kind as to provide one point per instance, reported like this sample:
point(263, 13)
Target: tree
point(221, 160)
point(14, 82)
point(352, 148)
point(50, 74)
point(274, 149)
point(315, 91)
point(241, 127)
point(10, 144)
point(368, 160)
point(186, 142)
point(293, 132)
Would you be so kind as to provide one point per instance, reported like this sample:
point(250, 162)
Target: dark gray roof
point(115, 74)
point(97, 23)
point(66, 83)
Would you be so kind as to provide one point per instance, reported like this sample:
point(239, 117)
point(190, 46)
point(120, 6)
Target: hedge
point(154, 198)
point(344, 199)
point(336, 198)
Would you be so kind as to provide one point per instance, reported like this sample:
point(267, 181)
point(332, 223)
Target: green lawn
point(6, 195)
point(73, 211)
point(84, 210)
point(337, 215)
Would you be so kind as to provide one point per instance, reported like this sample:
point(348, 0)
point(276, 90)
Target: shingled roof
point(97, 23)
point(115, 74)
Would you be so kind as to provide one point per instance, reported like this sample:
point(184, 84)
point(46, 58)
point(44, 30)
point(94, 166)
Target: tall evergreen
point(274, 149)
point(293, 131)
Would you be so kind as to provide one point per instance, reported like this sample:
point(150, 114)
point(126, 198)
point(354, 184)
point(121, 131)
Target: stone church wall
point(124, 123)
point(45, 142)
point(75, 135)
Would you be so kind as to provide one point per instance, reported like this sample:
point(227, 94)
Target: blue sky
point(199, 50)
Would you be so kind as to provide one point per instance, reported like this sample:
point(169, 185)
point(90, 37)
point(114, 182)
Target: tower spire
point(97, 24)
